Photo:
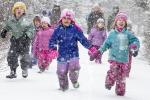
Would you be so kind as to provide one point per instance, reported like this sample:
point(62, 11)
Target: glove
point(93, 52)
point(25, 38)
point(134, 52)
point(54, 54)
point(3, 33)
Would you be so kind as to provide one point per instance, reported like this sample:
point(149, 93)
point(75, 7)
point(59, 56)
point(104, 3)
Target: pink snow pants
point(44, 58)
point(117, 74)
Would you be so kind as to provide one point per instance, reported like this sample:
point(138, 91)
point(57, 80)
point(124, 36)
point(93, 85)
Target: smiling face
point(44, 25)
point(66, 21)
point(37, 23)
point(19, 11)
point(121, 23)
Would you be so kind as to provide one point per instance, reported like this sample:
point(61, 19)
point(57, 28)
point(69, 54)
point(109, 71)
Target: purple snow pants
point(117, 74)
point(63, 68)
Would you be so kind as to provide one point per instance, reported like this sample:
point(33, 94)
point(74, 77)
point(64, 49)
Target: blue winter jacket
point(118, 45)
point(67, 40)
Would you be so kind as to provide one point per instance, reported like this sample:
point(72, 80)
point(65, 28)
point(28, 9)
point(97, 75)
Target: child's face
point(44, 25)
point(66, 21)
point(37, 23)
point(100, 25)
point(120, 23)
point(19, 11)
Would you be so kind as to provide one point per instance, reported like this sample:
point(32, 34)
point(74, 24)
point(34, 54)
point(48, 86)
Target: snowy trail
point(92, 76)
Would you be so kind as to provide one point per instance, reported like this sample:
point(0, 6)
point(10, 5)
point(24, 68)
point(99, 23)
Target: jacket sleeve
point(104, 35)
point(30, 31)
point(36, 44)
point(53, 40)
point(83, 40)
point(106, 45)
point(90, 35)
point(6, 28)
point(133, 40)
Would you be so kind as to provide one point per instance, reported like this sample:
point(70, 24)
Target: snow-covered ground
point(92, 77)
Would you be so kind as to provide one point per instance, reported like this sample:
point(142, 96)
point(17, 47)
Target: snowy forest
point(61, 67)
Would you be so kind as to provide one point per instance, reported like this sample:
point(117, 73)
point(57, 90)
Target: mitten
point(54, 54)
point(3, 33)
point(134, 52)
point(91, 50)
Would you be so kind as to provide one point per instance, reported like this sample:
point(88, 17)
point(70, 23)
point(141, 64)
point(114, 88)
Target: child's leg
point(47, 59)
point(41, 57)
point(121, 82)
point(111, 76)
point(74, 68)
point(25, 64)
point(12, 60)
point(62, 71)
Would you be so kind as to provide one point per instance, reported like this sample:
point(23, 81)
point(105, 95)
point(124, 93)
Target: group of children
point(62, 43)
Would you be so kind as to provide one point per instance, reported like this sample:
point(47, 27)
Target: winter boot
point(12, 74)
point(41, 70)
point(98, 61)
point(120, 89)
point(91, 58)
point(25, 73)
point(76, 84)
point(64, 88)
point(108, 86)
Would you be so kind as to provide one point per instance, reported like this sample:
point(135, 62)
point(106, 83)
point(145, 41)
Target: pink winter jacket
point(42, 40)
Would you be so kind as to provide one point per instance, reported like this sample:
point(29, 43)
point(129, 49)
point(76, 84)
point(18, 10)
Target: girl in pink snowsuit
point(40, 45)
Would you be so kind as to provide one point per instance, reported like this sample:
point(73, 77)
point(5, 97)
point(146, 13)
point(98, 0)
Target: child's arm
point(106, 45)
point(104, 35)
point(5, 29)
point(36, 45)
point(133, 40)
point(29, 31)
point(83, 40)
point(90, 36)
point(53, 40)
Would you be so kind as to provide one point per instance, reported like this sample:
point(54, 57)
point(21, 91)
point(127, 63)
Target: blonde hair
point(114, 24)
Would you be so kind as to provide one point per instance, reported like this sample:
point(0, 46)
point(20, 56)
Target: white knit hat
point(100, 20)
point(45, 19)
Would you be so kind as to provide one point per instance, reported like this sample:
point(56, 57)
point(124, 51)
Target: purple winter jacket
point(97, 36)
point(41, 41)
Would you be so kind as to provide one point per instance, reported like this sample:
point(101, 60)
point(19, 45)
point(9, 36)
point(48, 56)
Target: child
point(119, 41)
point(97, 37)
point(40, 46)
point(66, 36)
point(37, 26)
point(22, 32)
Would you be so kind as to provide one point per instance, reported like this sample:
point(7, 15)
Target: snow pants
point(63, 68)
point(117, 74)
point(18, 48)
point(44, 59)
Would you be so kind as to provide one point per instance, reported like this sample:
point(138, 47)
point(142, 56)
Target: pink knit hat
point(121, 15)
point(67, 13)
